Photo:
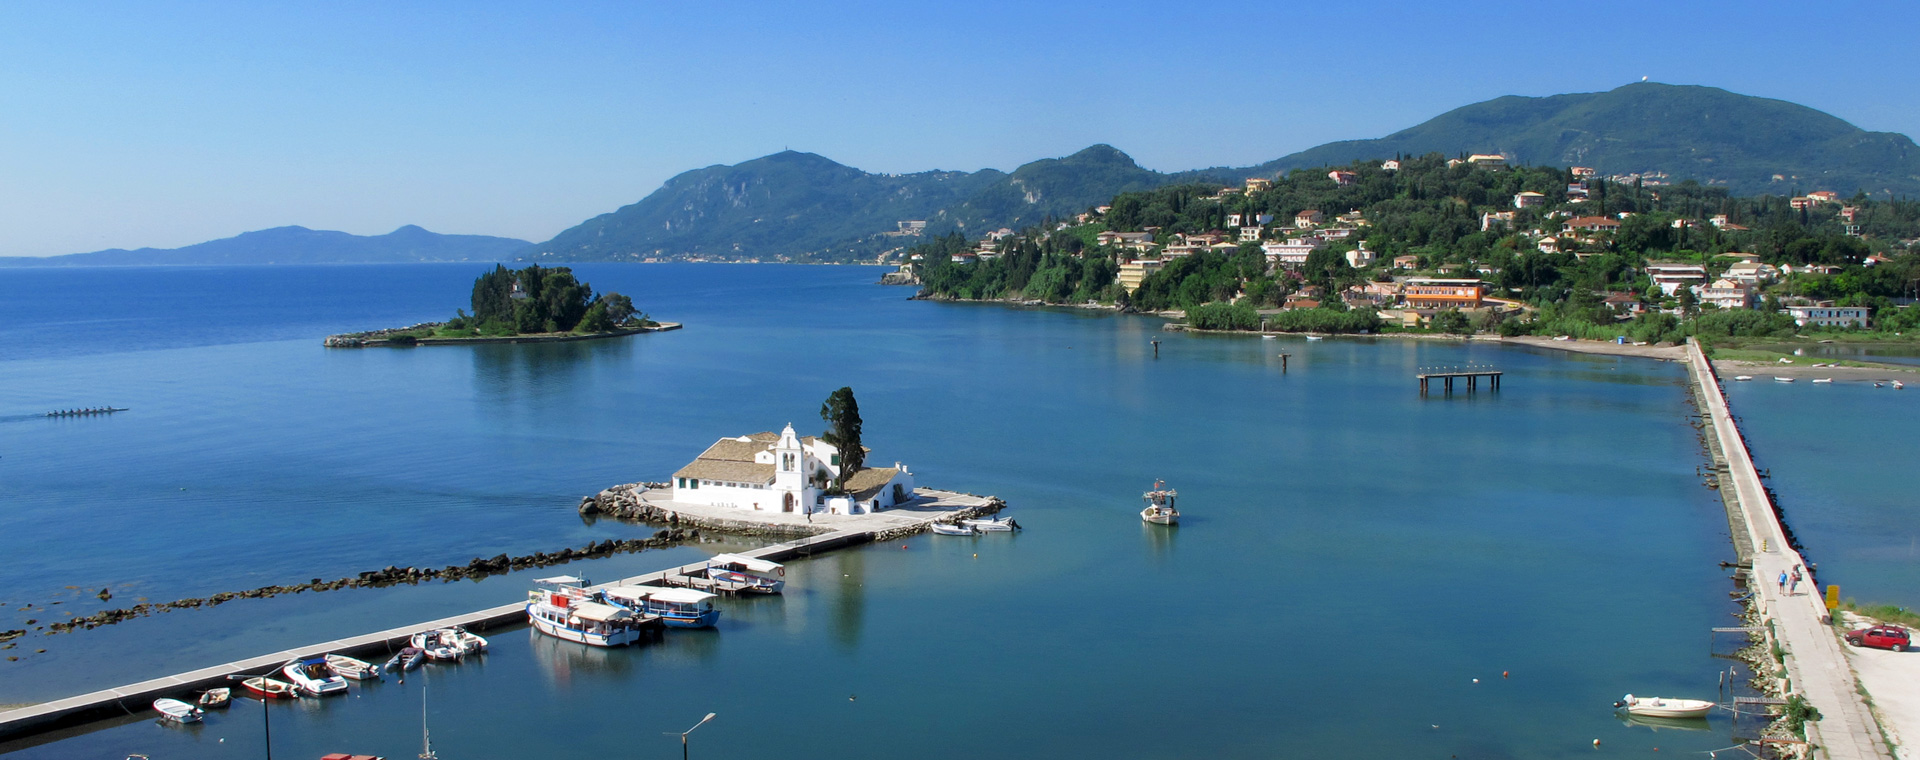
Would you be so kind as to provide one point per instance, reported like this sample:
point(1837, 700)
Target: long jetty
point(134, 698)
point(1816, 666)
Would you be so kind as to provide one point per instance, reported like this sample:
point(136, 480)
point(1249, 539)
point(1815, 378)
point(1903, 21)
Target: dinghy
point(992, 525)
point(439, 644)
point(943, 529)
point(1783, 379)
point(268, 688)
point(348, 667)
point(1823, 379)
point(1743, 378)
point(313, 678)
point(1315, 337)
point(176, 711)
point(1663, 707)
point(214, 699)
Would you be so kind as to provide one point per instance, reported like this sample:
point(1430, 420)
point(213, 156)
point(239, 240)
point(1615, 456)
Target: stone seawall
point(625, 502)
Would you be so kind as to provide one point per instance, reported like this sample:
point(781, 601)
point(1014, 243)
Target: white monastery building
point(786, 473)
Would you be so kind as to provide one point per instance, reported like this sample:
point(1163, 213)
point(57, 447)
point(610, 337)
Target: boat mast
point(426, 739)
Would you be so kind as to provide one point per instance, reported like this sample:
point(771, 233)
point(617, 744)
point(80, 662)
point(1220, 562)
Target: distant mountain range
point(299, 245)
point(794, 206)
point(801, 206)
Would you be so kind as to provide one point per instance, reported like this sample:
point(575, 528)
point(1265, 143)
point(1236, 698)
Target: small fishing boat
point(1783, 379)
point(313, 678)
point(214, 699)
point(348, 667)
point(176, 711)
point(1315, 337)
point(1160, 509)
point(470, 643)
point(992, 525)
point(943, 529)
point(439, 644)
point(1743, 378)
point(1897, 385)
point(268, 688)
point(676, 607)
point(757, 576)
point(567, 610)
point(1269, 337)
point(1663, 707)
point(1823, 379)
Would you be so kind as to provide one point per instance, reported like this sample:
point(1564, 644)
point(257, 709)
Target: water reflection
point(1160, 540)
point(563, 662)
point(520, 368)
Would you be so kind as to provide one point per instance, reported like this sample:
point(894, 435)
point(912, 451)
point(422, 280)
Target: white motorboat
point(313, 678)
point(1269, 337)
point(1897, 385)
point(1315, 337)
point(1823, 379)
point(567, 610)
point(943, 529)
point(1664, 707)
point(470, 643)
point(216, 698)
point(176, 711)
point(1783, 379)
point(756, 576)
point(348, 667)
point(1743, 378)
point(992, 525)
point(1160, 509)
point(438, 644)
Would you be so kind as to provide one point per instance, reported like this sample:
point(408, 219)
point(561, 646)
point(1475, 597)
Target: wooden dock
point(1471, 374)
point(137, 698)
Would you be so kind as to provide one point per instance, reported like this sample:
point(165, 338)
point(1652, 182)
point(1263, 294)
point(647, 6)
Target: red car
point(1880, 637)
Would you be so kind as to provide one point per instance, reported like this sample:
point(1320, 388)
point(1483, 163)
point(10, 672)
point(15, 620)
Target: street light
point(266, 718)
point(683, 735)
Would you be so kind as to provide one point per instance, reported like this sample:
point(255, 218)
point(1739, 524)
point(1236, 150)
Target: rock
point(104, 594)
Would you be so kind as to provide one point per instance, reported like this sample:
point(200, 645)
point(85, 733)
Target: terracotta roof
point(866, 483)
point(731, 460)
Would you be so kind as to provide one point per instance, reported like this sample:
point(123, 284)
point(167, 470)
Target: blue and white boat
point(676, 607)
point(756, 576)
point(565, 609)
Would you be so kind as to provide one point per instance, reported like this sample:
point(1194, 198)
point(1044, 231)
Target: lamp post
point(683, 735)
point(266, 718)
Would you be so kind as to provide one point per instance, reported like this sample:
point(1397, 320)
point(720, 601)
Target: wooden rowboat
point(214, 699)
point(268, 688)
point(176, 711)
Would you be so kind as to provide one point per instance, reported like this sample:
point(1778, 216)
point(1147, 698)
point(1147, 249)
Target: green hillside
point(299, 245)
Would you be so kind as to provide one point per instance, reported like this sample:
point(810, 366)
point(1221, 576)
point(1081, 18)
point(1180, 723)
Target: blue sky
point(128, 125)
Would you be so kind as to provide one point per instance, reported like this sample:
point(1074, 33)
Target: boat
point(176, 711)
point(1743, 378)
point(88, 412)
point(1783, 379)
point(268, 688)
point(470, 643)
point(1664, 707)
point(676, 607)
point(214, 699)
point(567, 610)
point(1315, 337)
point(313, 678)
point(348, 667)
point(992, 524)
point(439, 644)
point(1269, 337)
point(1823, 379)
point(943, 529)
point(1160, 509)
point(1897, 385)
point(756, 576)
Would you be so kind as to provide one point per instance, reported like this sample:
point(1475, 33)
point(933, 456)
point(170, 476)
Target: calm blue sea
point(1353, 556)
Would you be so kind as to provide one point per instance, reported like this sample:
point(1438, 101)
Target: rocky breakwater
point(390, 575)
point(388, 337)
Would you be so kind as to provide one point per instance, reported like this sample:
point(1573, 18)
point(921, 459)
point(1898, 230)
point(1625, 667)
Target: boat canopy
point(756, 565)
point(599, 612)
point(679, 596)
point(562, 580)
point(630, 593)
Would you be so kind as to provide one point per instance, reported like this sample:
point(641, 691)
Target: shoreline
point(379, 339)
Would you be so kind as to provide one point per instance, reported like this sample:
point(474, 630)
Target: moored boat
point(1783, 379)
point(438, 644)
point(944, 529)
point(470, 642)
point(992, 525)
point(1664, 707)
point(1823, 379)
point(757, 576)
point(1743, 378)
point(312, 677)
point(214, 699)
point(567, 610)
point(676, 607)
point(1160, 509)
point(176, 711)
point(1315, 338)
point(268, 688)
point(348, 667)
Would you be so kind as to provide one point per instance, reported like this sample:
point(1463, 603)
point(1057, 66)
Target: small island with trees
point(531, 305)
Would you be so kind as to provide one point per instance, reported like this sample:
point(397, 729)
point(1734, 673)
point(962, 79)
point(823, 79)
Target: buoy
point(1596, 742)
point(903, 546)
point(1476, 680)
point(1503, 674)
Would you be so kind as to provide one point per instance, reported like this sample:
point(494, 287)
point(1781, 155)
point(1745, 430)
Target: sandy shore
point(1729, 368)
point(1604, 347)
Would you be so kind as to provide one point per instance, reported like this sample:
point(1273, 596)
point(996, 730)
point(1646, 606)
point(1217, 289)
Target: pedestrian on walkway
point(1794, 585)
point(1783, 581)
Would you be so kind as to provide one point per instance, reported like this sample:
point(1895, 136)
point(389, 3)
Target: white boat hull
point(618, 638)
point(1160, 517)
point(1660, 707)
point(176, 711)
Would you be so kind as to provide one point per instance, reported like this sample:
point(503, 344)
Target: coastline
point(378, 339)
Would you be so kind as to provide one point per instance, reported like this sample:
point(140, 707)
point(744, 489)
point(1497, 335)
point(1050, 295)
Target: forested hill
point(1706, 134)
point(299, 245)
point(804, 207)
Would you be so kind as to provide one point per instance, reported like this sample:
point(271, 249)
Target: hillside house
point(1487, 161)
point(1800, 202)
point(1308, 218)
point(1257, 184)
point(1828, 315)
point(1752, 273)
point(1529, 199)
point(1408, 261)
point(1251, 233)
point(1343, 179)
point(1490, 218)
point(1437, 293)
point(1582, 171)
point(1625, 303)
point(1389, 165)
point(1727, 294)
point(786, 473)
point(1549, 244)
point(1132, 273)
point(1590, 224)
point(1823, 196)
point(1672, 276)
point(1360, 258)
point(1290, 254)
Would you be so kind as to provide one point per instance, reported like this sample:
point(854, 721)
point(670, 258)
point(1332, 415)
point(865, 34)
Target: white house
point(1671, 276)
point(1291, 253)
point(1727, 294)
point(1529, 199)
point(1828, 316)
point(786, 473)
point(1359, 258)
point(1752, 273)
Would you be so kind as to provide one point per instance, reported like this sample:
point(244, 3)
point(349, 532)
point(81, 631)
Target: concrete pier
point(1815, 663)
point(1472, 377)
point(138, 697)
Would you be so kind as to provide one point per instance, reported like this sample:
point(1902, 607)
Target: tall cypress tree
point(842, 415)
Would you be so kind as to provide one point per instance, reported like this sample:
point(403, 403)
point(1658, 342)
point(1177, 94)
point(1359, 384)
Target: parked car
point(1880, 637)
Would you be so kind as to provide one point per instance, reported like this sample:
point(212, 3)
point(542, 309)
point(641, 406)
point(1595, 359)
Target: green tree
point(1453, 322)
point(842, 415)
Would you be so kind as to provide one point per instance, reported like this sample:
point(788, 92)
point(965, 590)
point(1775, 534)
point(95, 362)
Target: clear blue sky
point(126, 125)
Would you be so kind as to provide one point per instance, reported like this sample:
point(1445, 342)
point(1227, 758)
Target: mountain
point(1687, 132)
point(299, 245)
point(800, 206)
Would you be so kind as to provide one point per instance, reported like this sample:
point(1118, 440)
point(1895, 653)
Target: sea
point(1360, 571)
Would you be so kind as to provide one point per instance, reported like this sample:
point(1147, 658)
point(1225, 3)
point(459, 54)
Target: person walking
point(1793, 584)
point(1783, 581)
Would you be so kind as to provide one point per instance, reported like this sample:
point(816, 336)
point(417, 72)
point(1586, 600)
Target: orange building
point(1434, 293)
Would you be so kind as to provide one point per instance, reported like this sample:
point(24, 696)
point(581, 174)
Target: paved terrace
point(1815, 661)
point(928, 506)
point(840, 531)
